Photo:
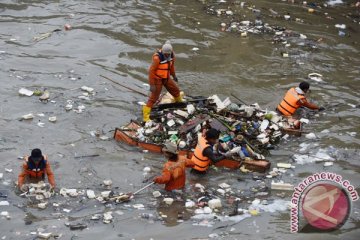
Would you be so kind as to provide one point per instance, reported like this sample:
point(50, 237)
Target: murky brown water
point(117, 39)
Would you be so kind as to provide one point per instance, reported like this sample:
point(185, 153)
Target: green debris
point(38, 92)
point(268, 116)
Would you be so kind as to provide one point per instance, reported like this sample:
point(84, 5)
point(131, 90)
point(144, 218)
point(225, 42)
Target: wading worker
point(294, 99)
point(34, 169)
point(173, 174)
point(161, 69)
point(204, 154)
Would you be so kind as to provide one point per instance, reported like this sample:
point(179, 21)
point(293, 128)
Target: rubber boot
point(178, 99)
point(146, 113)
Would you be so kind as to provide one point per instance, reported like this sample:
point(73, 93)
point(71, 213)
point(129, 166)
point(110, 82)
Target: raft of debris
point(247, 131)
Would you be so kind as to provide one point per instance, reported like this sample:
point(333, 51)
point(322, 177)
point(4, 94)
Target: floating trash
point(27, 116)
point(282, 186)
point(42, 205)
point(284, 165)
point(68, 107)
point(340, 26)
point(38, 93)
point(317, 77)
point(45, 96)
point(107, 218)
point(43, 235)
point(304, 120)
point(90, 194)
point(105, 194)
point(334, 2)
point(87, 89)
point(52, 119)
point(224, 185)
point(215, 203)
point(4, 203)
point(139, 206)
point(40, 124)
point(342, 34)
point(107, 182)
point(328, 164)
point(190, 204)
point(310, 136)
point(104, 138)
point(67, 27)
point(76, 226)
point(156, 194)
point(79, 109)
point(25, 92)
point(168, 201)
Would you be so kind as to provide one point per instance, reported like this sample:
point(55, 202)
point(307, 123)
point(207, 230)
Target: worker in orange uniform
point(162, 67)
point(204, 154)
point(173, 174)
point(34, 169)
point(294, 99)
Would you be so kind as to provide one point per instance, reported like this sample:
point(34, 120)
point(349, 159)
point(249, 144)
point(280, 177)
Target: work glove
point(228, 154)
point(175, 79)
point(157, 179)
point(321, 109)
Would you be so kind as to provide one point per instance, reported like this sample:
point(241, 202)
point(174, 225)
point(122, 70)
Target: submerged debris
point(76, 226)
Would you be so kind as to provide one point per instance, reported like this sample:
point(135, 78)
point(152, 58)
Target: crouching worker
point(173, 174)
point(34, 169)
point(204, 154)
point(294, 99)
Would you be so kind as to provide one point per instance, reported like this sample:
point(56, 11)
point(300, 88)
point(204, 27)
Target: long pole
point(143, 188)
point(131, 89)
point(238, 99)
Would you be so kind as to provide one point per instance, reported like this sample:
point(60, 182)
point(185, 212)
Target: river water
point(117, 39)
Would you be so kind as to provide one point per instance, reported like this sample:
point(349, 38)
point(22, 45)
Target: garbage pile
point(38, 194)
point(247, 131)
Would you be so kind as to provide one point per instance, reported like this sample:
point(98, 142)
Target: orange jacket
point(37, 172)
point(201, 163)
point(161, 68)
point(292, 101)
point(173, 174)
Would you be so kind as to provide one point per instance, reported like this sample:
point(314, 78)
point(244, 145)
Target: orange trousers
point(156, 87)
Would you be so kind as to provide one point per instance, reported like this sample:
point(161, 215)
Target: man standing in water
point(294, 99)
point(173, 175)
point(34, 169)
point(203, 153)
point(159, 75)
